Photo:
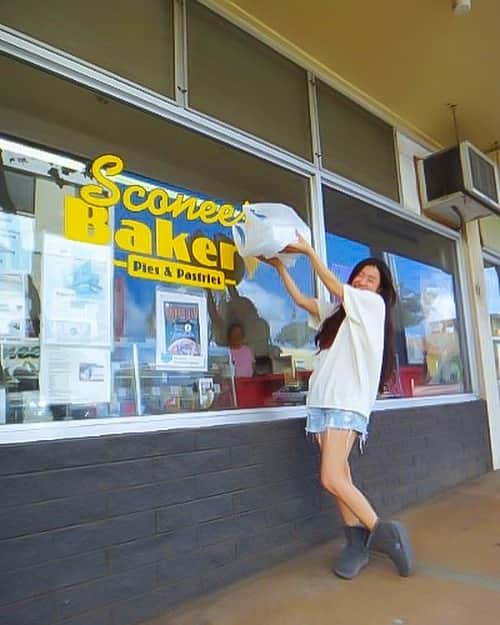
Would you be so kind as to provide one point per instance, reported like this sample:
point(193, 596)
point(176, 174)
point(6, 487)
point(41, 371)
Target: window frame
point(184, 53)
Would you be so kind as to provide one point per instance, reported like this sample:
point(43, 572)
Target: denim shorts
point(319, 419)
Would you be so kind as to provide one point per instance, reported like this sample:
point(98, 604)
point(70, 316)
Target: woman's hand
point(300, 246)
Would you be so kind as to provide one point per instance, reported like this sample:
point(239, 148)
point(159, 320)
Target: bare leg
point(347, 516)
point(336, 446)
point(345, 512)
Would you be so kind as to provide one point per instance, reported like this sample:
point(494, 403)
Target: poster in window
point(77, 375)
point(17, 242)
point(12, 306)
point(415, 346)
point(3, 405)
point(206, 392)
point(181, 331)
point(76, 291)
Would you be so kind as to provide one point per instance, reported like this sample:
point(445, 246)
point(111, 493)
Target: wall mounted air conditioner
point(458, 184)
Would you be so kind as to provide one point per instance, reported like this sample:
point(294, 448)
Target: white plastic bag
point(267, 229)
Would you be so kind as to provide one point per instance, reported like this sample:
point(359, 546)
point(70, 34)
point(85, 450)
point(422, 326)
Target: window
point(490, 232)
point(235, 78)
point(356, 144)
point(430, 343)
point(492, 279)
point(134, 40)
point(127, 326)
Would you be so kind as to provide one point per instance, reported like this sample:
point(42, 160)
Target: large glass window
point(492, 278)
point(236, 78)
point(356, 144)
point(430, 347)
point(125, 298)
point(131, 39)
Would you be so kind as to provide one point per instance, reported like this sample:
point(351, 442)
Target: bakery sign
point(153, 248)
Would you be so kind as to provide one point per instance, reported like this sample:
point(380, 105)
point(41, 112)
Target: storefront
point(127, 412)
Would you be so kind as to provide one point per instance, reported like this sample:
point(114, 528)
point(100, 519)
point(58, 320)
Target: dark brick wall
point(116, 529)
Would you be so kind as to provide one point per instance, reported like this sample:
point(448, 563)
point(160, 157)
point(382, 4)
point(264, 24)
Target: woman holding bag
point(355, 359)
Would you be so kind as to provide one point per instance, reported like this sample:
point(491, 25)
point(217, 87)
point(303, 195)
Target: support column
point(487, 374)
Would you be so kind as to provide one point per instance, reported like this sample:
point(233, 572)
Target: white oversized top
point(347, 375)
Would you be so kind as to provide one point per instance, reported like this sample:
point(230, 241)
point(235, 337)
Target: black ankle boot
point(354, 555)
point(391, 538)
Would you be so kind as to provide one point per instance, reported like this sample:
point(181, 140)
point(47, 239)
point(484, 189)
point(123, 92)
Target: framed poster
point(181, 331)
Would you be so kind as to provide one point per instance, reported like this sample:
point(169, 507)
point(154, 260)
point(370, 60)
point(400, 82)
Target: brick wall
point(113, 530)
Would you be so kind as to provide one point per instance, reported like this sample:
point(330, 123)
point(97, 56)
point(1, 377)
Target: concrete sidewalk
point(457, 541)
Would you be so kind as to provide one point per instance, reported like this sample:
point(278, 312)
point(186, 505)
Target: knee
point(334, 484)
point(328, 484)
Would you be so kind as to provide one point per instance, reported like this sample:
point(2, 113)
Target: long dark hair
point(328, 331)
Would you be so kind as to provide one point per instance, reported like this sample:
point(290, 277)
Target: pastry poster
point(181, 328)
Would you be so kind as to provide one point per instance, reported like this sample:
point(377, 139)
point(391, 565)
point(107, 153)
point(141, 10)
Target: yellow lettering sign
point(83, 222)
point(169, 246)
point(136, 198)
point(208, 212)
point(156, 253)
point(106, 193)
point(131, 205)
point(227, 253)
point(167, 271)
point(228, 216)
point(205, 251)
point(181, 205)
point(134, 236)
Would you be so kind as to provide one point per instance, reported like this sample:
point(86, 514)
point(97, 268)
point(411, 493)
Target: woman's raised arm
point(307, 303)
point(329, 279)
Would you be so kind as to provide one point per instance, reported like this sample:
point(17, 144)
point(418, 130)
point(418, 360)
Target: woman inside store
point(242, 356)
point(355, 358)
point(235, 320)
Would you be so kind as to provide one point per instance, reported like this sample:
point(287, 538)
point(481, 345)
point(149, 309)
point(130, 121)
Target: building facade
point(139, 466)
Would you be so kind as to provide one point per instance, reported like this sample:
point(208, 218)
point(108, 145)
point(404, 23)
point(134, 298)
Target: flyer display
point(77, 279)
point(76, 375)
point(17, 242)
point(181, 331)
point(12, 306)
